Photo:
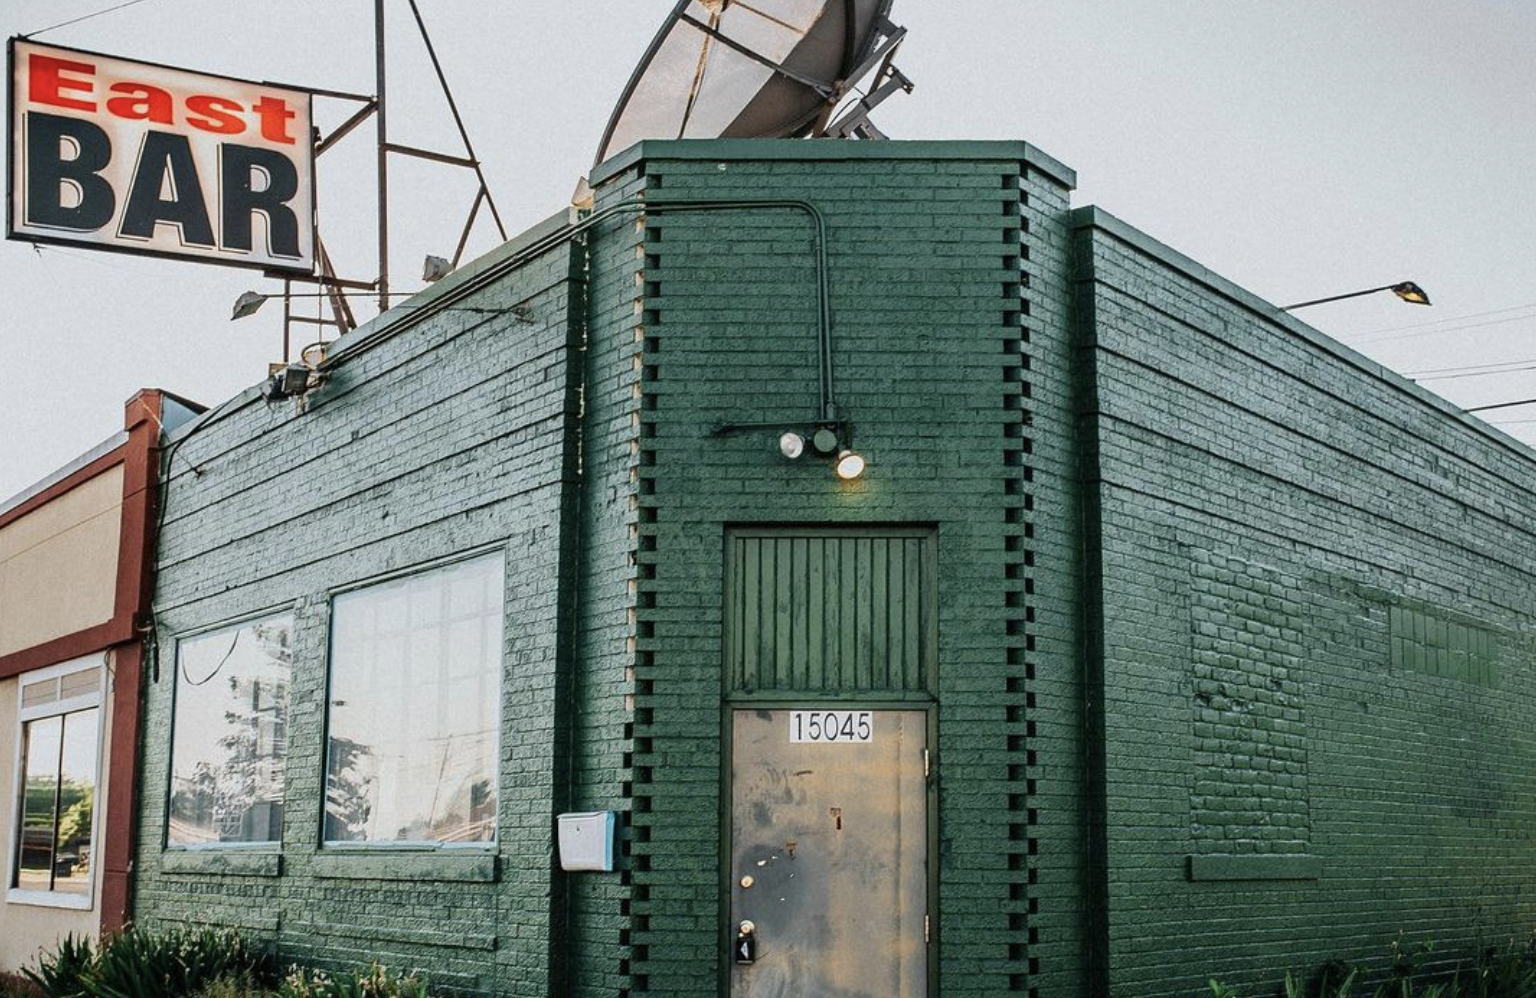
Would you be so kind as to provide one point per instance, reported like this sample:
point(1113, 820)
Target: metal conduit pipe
point(827, 411)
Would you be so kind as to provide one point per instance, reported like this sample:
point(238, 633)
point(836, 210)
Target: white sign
point(141, 158)
point(831, 727)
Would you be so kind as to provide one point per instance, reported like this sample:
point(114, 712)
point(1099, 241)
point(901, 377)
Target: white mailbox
point(586, 840)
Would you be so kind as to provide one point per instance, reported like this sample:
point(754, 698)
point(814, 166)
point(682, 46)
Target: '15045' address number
point(841, 727)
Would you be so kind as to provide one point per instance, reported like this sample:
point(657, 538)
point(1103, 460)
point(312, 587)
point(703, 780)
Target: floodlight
point(850, 465)
point(286, 381)
point(247, 304)
point(435, 268)
point(791, 445)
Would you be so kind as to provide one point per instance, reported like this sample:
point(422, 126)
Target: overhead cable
point(83, 17)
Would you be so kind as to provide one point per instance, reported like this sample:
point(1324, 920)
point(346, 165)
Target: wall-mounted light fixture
point(288, 381)
point(829, 441)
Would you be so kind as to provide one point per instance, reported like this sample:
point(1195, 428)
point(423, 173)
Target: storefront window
point(414, 712)
point(60, 755)
point(230, 738)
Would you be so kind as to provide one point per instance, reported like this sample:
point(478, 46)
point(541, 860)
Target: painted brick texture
point(1232, 625)
point(446, 438)
point(473, 427)
point(1264, 501)
point(950, 297)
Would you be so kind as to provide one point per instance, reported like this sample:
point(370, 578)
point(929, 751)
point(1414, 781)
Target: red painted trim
point(118, 832)
point(76, 645)
point(63, 485)
point(133, 589)
point(141, 482)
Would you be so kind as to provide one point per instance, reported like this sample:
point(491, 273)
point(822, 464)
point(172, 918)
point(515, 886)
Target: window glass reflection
point(231, 734)
point(414, 708)
point(72, 853)
point(41, 741)
point(59, 759)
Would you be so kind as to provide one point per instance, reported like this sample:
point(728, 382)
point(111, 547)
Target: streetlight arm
point(1408, 291)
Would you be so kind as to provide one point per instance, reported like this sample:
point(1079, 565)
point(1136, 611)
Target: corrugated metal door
point(829, 853)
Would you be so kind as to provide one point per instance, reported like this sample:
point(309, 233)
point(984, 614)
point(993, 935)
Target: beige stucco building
point(75, 586)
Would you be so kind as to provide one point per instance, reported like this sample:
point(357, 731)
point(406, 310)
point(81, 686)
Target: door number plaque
point(831, 727)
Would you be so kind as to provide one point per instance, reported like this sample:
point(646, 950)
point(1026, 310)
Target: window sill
point(1255, 867)
point(396, 864)
point(231, 862)
point(48, 899)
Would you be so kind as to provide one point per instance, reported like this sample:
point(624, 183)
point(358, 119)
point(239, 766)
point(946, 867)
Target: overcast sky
point(1300, 149)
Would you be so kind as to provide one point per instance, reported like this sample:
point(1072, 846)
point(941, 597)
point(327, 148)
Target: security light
point(1411, 293)
point(435, 269)
point(288, 381)
point(791, 445)
point(247, 304)
point(826, 441)
point(850, 465)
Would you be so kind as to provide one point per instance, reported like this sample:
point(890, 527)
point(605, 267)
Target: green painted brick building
point(1162, 638)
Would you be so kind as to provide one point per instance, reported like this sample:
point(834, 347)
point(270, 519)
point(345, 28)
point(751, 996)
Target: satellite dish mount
point(854, 123)
point(761, 69)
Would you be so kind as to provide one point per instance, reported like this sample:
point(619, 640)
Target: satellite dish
point(759, 69)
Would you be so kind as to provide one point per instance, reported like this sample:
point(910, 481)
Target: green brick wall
point(448, 430)
point(950, 296)
point(1231, 626)
point(451, 435)
point(1288, 545)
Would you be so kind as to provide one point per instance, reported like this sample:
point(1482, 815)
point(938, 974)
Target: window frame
point(272, 845)
point(58, 708)
point(343, 847)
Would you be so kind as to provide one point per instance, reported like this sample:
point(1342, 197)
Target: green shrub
point(176, 964)
point(375, 982)
point(59, 974)
point(1509, 972)
point(243, 986)
point(193, 964)
point(139, 964)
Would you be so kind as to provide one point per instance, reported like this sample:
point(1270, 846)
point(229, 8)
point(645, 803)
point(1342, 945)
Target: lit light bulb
point(791, 445)
point(850, 465)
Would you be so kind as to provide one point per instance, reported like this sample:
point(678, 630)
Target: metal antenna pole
point(383, 154)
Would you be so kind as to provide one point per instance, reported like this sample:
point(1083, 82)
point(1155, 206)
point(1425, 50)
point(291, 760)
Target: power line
point(1450, 318)
point(1476, 374)
point(83, 17)
point(1468, 367)
point(1500, 405)
point(1445, 329)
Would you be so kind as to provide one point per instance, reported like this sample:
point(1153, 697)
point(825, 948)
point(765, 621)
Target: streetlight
point(1406, 290)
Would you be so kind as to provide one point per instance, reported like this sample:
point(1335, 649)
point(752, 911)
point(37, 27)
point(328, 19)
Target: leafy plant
point(139, 964)
point(1509, 972)
point(59, 974)
point(374, 982)
point(242, 986)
